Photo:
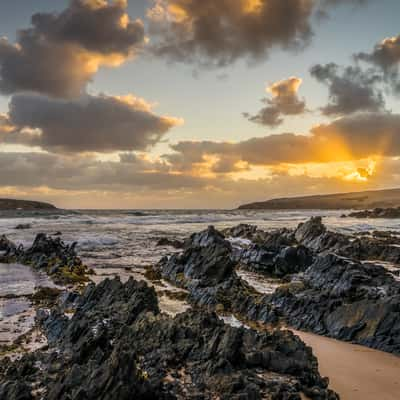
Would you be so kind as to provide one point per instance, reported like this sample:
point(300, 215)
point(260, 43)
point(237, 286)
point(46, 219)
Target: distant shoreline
point(25, 205)
point(338, 201)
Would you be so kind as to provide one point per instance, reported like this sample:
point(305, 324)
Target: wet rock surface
point(276, 261)
point(346, 300)
point(117, 345)
point(329, 289)
point(313, 235)
point(206, 269)
point(49, 254)
point(175, 243)
point(393, 212)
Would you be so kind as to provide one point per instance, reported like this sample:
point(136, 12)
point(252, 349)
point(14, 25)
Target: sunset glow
point(196, 104)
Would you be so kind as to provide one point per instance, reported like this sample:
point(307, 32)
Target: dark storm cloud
point(60, 53)
point(285, 101)
point(350, 89)
point(220, 31)
point(92, 123)
point(96, 25)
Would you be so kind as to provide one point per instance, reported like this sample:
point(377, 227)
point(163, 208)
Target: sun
point(362, 174)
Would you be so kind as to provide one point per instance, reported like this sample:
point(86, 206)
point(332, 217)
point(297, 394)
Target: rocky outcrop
point(314, 235)
point(175, 243)
point(242, 230)
point(377, 213)
point(23, 226)
point(328, 294)
point(206, 269)
point(7, 245)
point(117, 345)
point(274, 262)
point(52, 255)
point(346, 300)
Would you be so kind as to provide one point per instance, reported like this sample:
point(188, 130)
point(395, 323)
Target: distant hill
point(11, 204)
point(356, 200)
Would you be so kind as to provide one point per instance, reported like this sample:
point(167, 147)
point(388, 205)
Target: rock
point(346, 300)
point(274, 262)
point(6, 245)
point(50, 254)
point(272, 239)
point(206, 269)
point(333, 295)
point(315, 236)
point(242, 230)
point(377, 213)
point(208, 237)
point(23, 226)
point(117, 345)
point(175, 243)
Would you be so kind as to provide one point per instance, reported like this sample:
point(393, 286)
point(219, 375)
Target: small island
point(26, 205)
point(339, 201)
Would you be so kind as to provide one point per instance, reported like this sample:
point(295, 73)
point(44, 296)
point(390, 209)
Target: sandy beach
point(356, 372)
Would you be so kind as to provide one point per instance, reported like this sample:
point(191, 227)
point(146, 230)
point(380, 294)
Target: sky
point(197, 103)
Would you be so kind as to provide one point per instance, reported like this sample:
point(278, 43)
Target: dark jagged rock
point(23, 226)
point(346, 300)
point(6, 245)
point(274, 239)
point(206, 269)
point(275, 262)
point(175, 243)
point(242, 230)
point(118, 346)
point(333, 295)
point(58, 260)
point(314, 235)
point(275, 253)
point(377, 213)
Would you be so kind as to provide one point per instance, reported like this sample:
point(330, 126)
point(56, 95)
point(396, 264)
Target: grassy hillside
point(11, 204)
point(357, 200)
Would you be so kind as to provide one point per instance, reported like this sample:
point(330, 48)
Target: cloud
point(219, 32)
point(328, 3)
point(325, 6)
point(136, 182)
point(364, 134)
point(285, 101)
point(5, 125)
point(88, 124)
point(60, 53)
point(385, 55)
point(61, 172)
point(355, 137)
point(216, 32)
point(350, 89)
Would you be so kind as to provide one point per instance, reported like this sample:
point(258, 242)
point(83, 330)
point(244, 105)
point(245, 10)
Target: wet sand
point(356, 372)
